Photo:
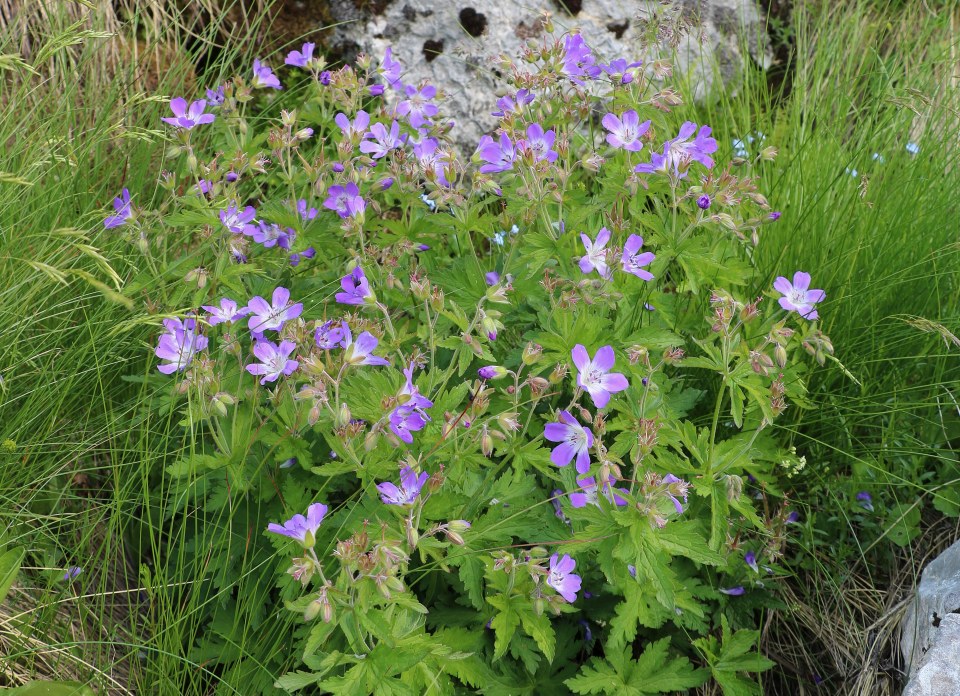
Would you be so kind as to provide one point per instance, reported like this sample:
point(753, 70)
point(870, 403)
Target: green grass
point(82, 482)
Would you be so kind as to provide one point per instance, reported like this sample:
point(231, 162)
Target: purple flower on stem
point(123, 212)
point(301, 58)
point(390, 69)
point(303, 529)
point(750, 558)
point(578, 61)
point(378, 141)
point(676, 488)
point(356, 289)
point(492, 372)
point(353, 131)
point(270, 234)
point(227, 312)
point(704, 202)
point(594, 374)
point(266, 316)
point(589, 493)
point(306, 213)
point(514, 104)
point(274, 360)
point(307, 253)
point(681, 151)
point(328, 335)
point(72, 572)
point(865, 501)
point(417, 107)
point(410, 415)
point(574, 439)
point(793, 518)
point(361, 352)
point(733, 591)
point(263, 76)
point(216, 96)
point(633, 261)
point(407, 492)
point(432, 159)
point(499, 155)
point(178, 346)
point(620, 70)
point(797, 296)
point(539, 143)
point(626, 130)
point(345, 200)
point(774, 216)
point(562, 578)
point(236, 221)
point(596, 257)
point(187, 117)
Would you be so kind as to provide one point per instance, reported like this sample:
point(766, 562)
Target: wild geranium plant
point(399, 351)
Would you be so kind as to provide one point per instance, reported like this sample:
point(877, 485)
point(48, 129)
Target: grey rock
point(937, 597)
point(938, 672)
point(454, 45)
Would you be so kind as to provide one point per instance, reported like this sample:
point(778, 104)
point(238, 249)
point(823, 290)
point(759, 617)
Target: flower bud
point(559, 373)
point(313, 610)
point(780, 355)
point(538, 385)
point(370, 441)
point(486, 443)
point(492, 372)
point(508, 421)
point(343, 417)
point(734, 487)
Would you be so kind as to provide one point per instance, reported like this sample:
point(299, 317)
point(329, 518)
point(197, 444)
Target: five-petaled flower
point(410, 415)
point(274, 360)
point(345, 200)
point(178, 346)
point(539, 143)
point(361, 351)
point(379, 141)
point(328, 335)
point(797, 296)
point(226, 312)
point(302, 58)
point(266, 316)
point(187, 117)
point(594, 374)
point(574, 439)
point(356, 289)
point(633, 261)
point(123, 212)
point(418, 107)
point(263, 76)
point(498, 155)
point(303, 529)
point(238, 221)
point(562, 578)
point(578, 60)
point(407, 492)
point(353, 130)
point(681, 151)
point(390, 69)
point(626, 130)
point(596, 257)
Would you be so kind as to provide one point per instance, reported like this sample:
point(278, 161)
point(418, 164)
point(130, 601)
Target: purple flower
point(263, 76)
point(390, 69)
point(633, 261)
point(681, 151)
point(187, 117)
point(432, 159)
point(303, 529)
point(227, 312)
point(774, 216)
point(578, 61)
point(626, 130)
point(274, 360)
point(514, 104)
point(492, 372)
point(266, 316)
point(202, 187)
point(539, 143)
point(178, 346)
point(733, 591)
point(620, 70)
point(703, 202)
point(302, 57)
point(797, 297)
point(793, 518)
point(417, 107)
point(596, 257)
point(498, 155)
point(588, 493)
point(574, 439)
point(361, 352)
point(410, 485)
point(306, 213)
point(328, 335)
point(270, 235)
point(492, 278)
point(72, 572)
point(356, 289)
point(325, 77)
point(865, 501)
point(236, 221)
point(750, 558)
point(594, 374)
point(676, 487)
point(216, 96)
point(345, 200)
point(123, 212)
point(354, 130)
point(378, 141)
point(404, 421)
point(561, 577)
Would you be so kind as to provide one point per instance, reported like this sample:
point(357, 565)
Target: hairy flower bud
point(559, 373)
point(531, 353)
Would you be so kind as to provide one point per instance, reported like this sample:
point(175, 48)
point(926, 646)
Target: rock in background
point(930, 633)
point(454, 44)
